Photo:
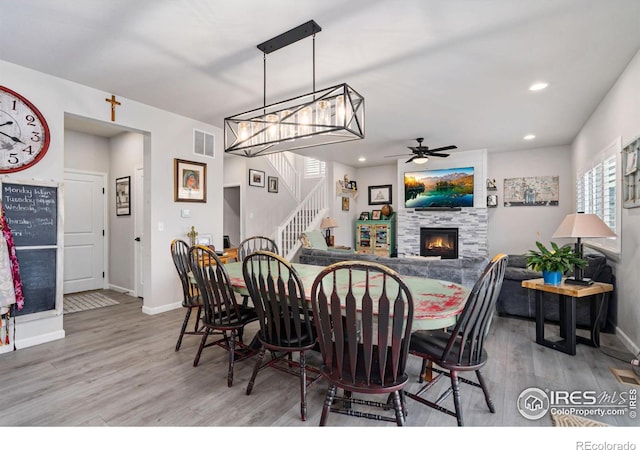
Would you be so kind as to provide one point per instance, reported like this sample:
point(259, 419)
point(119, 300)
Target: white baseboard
point(628, 343)
point(161, 309)
point(122, 290)
point(34, 340)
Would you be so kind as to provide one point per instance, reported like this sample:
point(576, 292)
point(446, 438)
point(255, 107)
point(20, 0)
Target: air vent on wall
point(203, 144)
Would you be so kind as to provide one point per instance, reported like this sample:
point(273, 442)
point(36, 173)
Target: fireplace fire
point(442, 242)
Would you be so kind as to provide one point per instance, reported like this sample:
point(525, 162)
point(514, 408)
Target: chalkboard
point(38, 274)
point(32, 213)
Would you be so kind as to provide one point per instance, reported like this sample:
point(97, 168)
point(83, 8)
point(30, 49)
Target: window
point(598, 193)
point(313, 168)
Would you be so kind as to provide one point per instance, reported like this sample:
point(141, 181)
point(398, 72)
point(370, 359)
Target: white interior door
point(139, 230)
point(83, 231)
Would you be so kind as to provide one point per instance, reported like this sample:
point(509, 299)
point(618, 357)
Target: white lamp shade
point(582, 225)
point(328, 222)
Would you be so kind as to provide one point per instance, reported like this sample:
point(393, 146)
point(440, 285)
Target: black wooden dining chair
point(285, 322)
point(191, 298)
point(363, 313)
point(222, 314)
point(461, 349)
point(253, 244)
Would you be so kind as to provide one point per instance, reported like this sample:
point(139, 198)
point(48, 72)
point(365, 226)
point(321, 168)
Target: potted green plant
point(553, 262)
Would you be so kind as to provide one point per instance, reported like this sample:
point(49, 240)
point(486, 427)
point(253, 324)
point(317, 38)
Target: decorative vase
point(553, 278)
point(386, 210)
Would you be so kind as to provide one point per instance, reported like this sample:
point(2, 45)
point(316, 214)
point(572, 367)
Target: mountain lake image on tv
point(439, 188)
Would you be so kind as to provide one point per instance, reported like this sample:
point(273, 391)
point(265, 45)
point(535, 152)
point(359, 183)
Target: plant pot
point(554, 278)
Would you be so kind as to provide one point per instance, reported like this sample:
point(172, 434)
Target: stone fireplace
point(438, 241)
point(472, 225)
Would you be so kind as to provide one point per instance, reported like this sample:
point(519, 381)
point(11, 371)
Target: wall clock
point(24, 133)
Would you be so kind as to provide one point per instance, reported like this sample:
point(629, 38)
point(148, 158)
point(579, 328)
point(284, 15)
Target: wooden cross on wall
point(114, 103)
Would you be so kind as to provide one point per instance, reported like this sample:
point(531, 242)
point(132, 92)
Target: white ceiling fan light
point(529, 137)
point(420, 160)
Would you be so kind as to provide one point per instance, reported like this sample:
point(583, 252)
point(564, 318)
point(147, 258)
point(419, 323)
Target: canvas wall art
point(531, 191)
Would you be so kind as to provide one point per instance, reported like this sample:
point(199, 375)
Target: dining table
point(437, 303)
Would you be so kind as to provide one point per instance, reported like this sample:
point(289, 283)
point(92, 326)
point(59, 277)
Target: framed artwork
point(256, 178)
point(273, 184)
point(531, 191)
point(492, 201)
point(380, 195)
point(123, 190)
point(376, 214)
point(353, 185)
point(364, 215)
point(345, 203)
point(204, 239)
point(190, 181)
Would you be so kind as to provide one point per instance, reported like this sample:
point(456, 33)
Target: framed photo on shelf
point(123, 190)
point(345, 203)
point(380, 195)
point(204, 239)
point(376, 214)
point(364, 215)
point(190, 181)
point(273, 184)
point(492, 201)
point(256, 178)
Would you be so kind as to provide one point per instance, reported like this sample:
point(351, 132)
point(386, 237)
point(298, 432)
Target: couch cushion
point(518, 261)
point(313, 239)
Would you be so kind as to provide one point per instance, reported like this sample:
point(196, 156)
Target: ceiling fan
point(420, 154)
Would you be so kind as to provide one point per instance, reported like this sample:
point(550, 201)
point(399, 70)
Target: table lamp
point(581, 225)
point(328, 223)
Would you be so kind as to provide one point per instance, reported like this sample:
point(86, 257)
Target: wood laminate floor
point(117, 367)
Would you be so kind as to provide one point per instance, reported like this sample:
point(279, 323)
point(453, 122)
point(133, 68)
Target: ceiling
point(454, 72)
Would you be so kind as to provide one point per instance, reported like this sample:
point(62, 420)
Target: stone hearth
point(472, 224)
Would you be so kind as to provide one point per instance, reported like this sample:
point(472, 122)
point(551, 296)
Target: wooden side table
point(568, 293)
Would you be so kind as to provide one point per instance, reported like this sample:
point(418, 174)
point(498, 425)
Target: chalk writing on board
point(31, 213)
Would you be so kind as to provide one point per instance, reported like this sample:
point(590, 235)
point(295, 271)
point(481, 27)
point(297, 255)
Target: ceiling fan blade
point(411, 159)
point(418, 149)
point(394, 156)
point(449, 147)
point(442, 155)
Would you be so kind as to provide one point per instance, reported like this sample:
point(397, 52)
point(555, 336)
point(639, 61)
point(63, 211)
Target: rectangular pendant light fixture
point(321, 117)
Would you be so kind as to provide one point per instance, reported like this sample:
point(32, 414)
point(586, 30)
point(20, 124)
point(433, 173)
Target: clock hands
point(14, 139)
point(6, 123)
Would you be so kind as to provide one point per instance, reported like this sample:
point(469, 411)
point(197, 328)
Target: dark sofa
point(516, 301)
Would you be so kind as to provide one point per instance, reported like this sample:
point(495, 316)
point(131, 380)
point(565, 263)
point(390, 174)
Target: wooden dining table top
point(437, 303)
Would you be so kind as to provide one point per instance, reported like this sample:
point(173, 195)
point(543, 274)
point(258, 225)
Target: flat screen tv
point(439, 188)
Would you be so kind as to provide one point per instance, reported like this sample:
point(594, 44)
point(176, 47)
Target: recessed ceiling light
point(528, 137)
point(538, 86)
point(362, 158)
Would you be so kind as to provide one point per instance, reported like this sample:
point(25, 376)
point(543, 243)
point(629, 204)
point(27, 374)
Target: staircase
point(288, 174)
point(309, 212)
point(306, 216)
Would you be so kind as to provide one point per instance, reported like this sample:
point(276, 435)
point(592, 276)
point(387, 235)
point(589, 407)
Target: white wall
point(344, 233)
point(262, 211)
point(515, 229)
point(86, 152)
point(125, 156)
point(169, 136)
point(618, 115)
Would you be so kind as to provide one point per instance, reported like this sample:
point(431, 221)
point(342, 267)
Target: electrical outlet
point(185, 213)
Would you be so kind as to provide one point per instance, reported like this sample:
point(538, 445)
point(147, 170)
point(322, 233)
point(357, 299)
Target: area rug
point(86, 300)
point(567, 420)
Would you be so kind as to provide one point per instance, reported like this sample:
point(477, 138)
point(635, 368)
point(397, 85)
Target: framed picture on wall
point(273, 184)
point(380, 195)
point(345, 203)
point(123, 196)
point(256, 178)
point(190, 181)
